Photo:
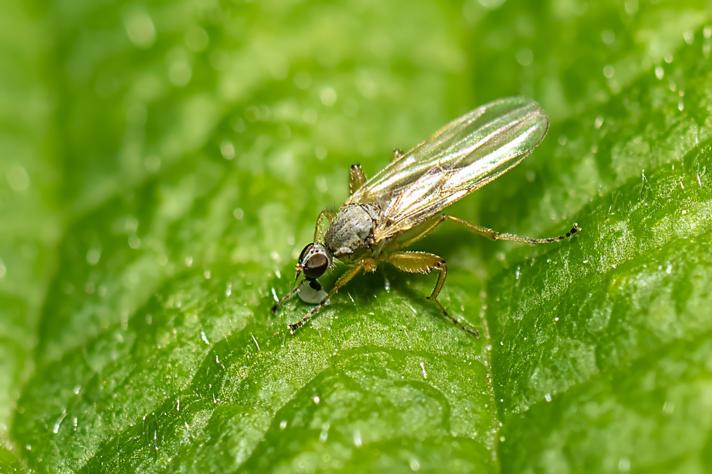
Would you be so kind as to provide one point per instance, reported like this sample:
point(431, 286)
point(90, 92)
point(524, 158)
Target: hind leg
point(423, 263)
point(357, 178)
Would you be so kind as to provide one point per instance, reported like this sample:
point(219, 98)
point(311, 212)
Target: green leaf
point(163, 164)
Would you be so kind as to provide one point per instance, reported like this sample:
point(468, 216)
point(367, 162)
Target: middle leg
point(424, 262)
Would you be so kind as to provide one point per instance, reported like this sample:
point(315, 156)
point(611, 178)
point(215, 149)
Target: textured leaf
point(163, 165)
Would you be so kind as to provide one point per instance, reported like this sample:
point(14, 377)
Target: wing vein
point(459, 158)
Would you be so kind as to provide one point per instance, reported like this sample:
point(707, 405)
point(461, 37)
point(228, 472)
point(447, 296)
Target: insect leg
point(485, 232)
point(356, 178)
point(494, 235)
point(322, 224)
point(422, 232)
point(397, 154)
point(423, 262)
point(343, 280)
point(285, 298)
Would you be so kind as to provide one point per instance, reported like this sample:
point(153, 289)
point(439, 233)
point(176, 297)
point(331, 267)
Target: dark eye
point(305, 250)
point(316, 266)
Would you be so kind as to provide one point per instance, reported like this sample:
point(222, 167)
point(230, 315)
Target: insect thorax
point(351, 230)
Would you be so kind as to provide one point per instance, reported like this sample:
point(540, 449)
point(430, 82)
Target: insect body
point(403, 203)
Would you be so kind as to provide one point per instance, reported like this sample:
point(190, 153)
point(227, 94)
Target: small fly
point(404, 202)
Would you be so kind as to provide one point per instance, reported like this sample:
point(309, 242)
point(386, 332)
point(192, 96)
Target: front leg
point(365, 264)
point(356, 178)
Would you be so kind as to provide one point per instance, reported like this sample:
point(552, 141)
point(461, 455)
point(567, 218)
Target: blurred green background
point(162, 164)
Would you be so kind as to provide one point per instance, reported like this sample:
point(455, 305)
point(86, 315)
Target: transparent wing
point(461, 157)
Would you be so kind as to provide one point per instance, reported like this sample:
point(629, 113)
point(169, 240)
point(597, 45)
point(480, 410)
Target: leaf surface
point(164, 163)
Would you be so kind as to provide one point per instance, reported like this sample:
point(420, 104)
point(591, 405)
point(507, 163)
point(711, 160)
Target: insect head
point(314, 260)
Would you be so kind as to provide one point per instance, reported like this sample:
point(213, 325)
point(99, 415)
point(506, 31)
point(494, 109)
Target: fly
point(404, 202)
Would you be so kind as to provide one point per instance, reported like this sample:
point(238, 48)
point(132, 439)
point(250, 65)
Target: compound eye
point(305, 250)
point(316, 266)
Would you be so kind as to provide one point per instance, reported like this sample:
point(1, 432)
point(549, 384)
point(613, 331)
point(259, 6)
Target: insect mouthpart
point(314, 260)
